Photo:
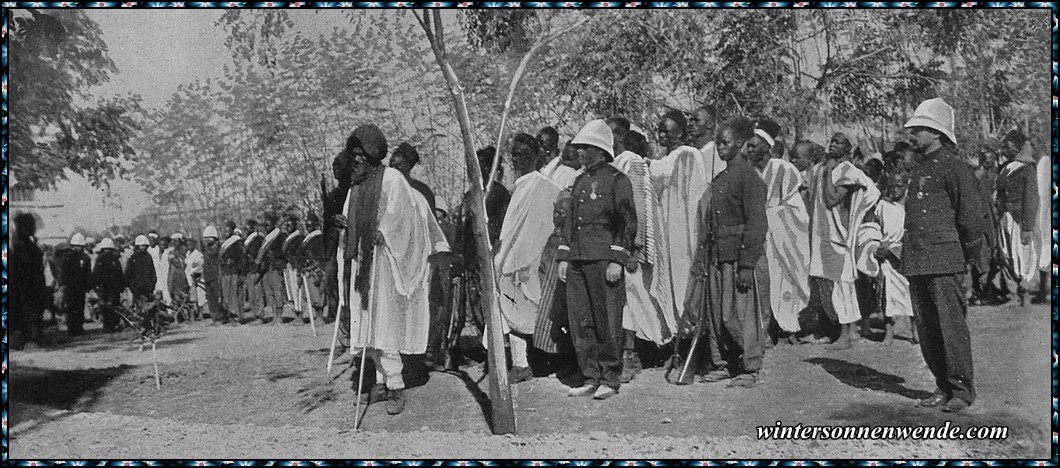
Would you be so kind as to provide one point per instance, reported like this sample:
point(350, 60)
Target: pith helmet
point(936, 114)
point(598, 134)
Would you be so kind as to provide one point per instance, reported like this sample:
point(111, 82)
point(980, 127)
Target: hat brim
point(920, 121)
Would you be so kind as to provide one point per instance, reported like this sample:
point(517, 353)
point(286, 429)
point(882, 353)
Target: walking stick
point(309, 302)
point(341, 266)
point(364, 346)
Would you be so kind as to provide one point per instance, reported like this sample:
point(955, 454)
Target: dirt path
point(259, 392)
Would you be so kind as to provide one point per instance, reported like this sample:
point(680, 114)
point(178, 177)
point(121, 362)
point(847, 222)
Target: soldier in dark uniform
point(231, 268)
point(947, 224)
point(75, 279)
point(731, 248)
point(292, 278)
point(311, 265)
point(270, 266)
point(109, 283)
point(593, 255)
point(211, 275)
point(249, 270)
point(140, 272)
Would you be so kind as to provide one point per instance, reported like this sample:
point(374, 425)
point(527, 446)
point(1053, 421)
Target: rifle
point(700, 266)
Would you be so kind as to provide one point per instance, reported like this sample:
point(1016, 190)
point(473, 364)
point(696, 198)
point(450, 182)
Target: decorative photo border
point(4, 214)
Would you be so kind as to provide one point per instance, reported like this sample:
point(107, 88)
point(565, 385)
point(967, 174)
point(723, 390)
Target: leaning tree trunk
point(500, 392)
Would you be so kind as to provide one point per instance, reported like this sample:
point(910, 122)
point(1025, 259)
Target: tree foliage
point(55, 122)
point(273, 123)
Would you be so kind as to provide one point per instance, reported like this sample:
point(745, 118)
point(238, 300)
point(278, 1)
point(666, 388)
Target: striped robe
point(649, 310)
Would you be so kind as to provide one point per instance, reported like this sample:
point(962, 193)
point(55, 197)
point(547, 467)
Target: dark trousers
point(821, 316)
point(941, 310)
point(595, 309)
point(108, 301)
point(213, 300)
point(734, 320)
point(231, 291)
point(439, 302)
point(75, 312)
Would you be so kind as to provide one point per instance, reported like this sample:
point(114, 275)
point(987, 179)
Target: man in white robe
point(841, 195)
point(389, 234)
point(1045, 227)
point(680, 179)
point(527, 226)
point(788, 238)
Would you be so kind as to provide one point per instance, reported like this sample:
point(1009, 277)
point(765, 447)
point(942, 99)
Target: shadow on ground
point(32, 388)
point(867, 378)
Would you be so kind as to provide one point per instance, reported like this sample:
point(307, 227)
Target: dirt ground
point(260, 392)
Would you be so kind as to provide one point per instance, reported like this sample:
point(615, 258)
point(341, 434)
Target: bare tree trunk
point(500, 392)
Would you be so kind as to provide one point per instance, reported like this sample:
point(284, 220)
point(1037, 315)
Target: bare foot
point(839, 344)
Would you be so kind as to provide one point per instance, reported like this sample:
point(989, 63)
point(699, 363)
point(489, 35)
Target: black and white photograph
point(537, 231)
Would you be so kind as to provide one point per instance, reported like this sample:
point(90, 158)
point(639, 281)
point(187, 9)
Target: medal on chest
point(920, 187)
point(592, 190)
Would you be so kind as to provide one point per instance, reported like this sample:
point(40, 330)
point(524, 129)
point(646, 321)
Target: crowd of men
point(722, 245)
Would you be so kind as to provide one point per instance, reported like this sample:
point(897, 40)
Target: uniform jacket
point(603, 218)
point(232, 256)
point(211, 262)
point(107, 275)
point(140, 273)
point(251, 246)
point(271, 256)
point(1017, 193)
point(946, 218)
point(76, 272)
point(733, 219)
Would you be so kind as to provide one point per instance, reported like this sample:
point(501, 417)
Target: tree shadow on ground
point(73, 390)
point(867, 378)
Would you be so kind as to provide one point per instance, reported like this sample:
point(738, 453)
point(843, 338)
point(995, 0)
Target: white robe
point(193, 264)
point(649, 310)
point(833, 239)
point(562, 175)
point(887, 232)
point(787, 243)
point(1045, 212)
point(398, 309)
point(680, 179)
point(527, 227)
point(1024, 258)
point(162, 273)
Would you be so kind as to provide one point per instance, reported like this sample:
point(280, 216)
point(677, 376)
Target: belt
point(728, 231)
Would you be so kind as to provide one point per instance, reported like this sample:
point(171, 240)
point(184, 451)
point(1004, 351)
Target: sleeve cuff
point(619, 254)
point(562, 253)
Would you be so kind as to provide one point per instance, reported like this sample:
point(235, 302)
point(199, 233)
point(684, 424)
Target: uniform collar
point(942, 152)
point(597, 166)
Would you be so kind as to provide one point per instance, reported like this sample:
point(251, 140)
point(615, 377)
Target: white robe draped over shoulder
point(527, 227)
point(398, 315)
point(833, 237)
point(787, 243)
point(680, 179)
